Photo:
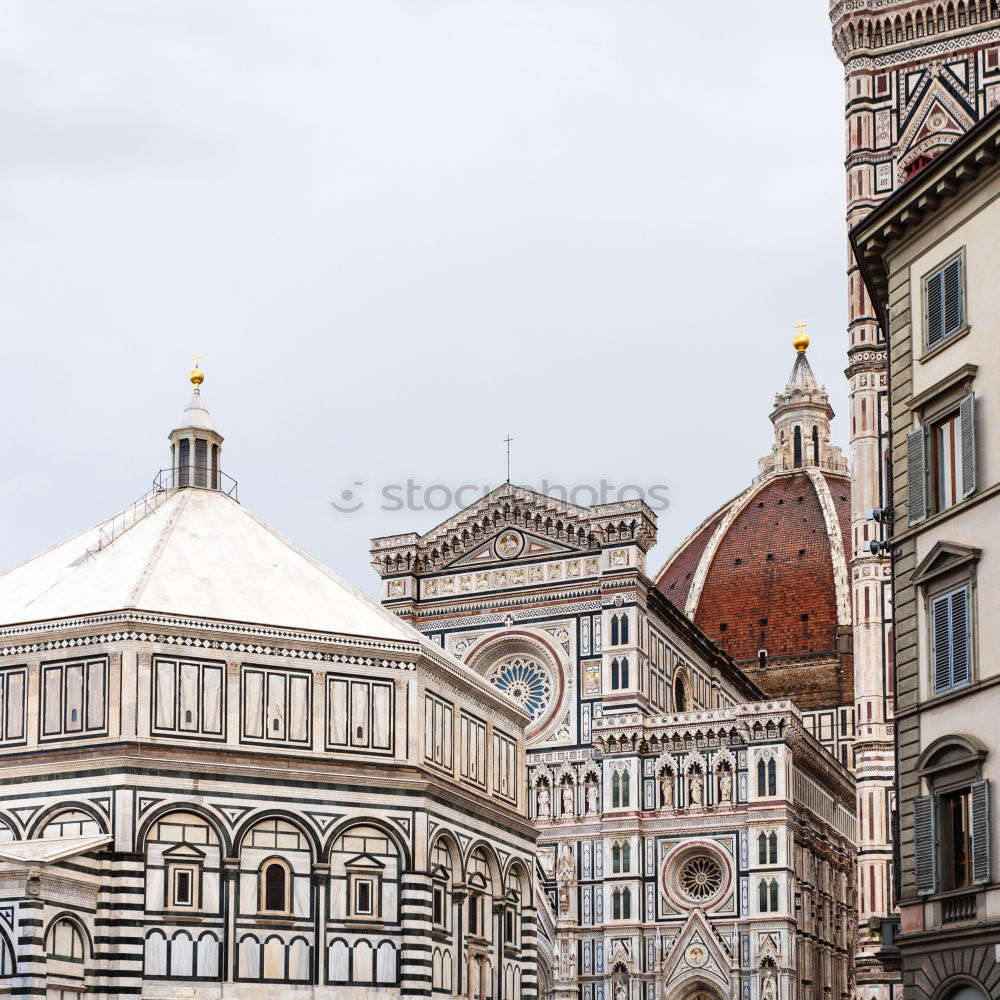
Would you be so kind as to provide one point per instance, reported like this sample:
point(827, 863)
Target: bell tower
point(918, 75)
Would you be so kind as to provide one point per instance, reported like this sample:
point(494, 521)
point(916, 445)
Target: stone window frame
point(952, 763)
point(946, 340)
point(946, 568)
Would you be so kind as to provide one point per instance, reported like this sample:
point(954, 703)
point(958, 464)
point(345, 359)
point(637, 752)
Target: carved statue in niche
point(544, 810)
point(567, 800)
point(696, 789)
point(667, 790)
point(726, 788)
point(564, 885)
point(767, 987)
point(593, 806)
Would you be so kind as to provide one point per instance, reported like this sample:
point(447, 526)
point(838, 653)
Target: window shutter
point(916, 471)
point(980, 832)
point(960, 651)
point(941, 632)
point(935, 308)
point(925, 843)
point(952, 297)
point(967, 419)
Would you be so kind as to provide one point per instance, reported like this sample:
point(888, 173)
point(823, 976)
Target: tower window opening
point(797, 448)
point(184, 462)
point(815, 445)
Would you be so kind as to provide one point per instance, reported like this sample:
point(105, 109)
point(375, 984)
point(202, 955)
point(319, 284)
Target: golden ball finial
point(800, 341)
point(197, 376)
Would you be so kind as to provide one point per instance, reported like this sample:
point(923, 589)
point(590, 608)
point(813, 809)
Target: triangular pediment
point(938, 118)
point(511, 545)
point(184, 852)
point(486, 517)
point(699, 952)
point(945, 557)
point(364, 861)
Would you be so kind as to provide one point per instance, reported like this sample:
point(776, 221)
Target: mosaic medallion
point(527, 681)
point(509, 545)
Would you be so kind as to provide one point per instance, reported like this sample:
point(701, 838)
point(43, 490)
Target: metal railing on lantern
point(200, 476)
point(165, 483)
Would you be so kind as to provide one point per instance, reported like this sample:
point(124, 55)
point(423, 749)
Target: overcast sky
point(398, 232)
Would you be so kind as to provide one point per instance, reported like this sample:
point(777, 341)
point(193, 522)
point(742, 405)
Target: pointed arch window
point(621, 856)
point(624, 630)
point(797, 448)
point(614, 630)
point(767, 895)
point(615, 675)
point(767, 778)
point(767, 849)
point(619, 789)
point(624, 672)
point(815, 436)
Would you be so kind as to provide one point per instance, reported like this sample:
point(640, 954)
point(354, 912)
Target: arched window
point(762, 849)
point(621, 856)
point(624, 677)
point(626, 904)
point(680, 700)
point(772, 845)
point(616, 905)
point(762, 895)
point(274, 886)
point(614, 630)
point(816, 445)
point(767, 778)
point(615, 676)
point(797, 447)
point(619, 789)
point(624, 635)
point(773, 893)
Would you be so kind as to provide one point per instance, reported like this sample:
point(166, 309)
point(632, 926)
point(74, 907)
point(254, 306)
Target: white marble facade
point(696, 841)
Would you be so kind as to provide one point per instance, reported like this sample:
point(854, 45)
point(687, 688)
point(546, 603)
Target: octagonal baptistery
point(228, 773)
point(766, 576)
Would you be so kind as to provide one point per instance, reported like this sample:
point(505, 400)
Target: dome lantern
point(195, 444)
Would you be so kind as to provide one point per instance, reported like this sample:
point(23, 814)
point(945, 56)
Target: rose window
point(525, 680)
point(701, 877)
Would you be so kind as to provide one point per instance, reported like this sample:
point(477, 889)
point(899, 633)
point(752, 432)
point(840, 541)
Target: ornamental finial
point(800, 341)
point(197, 376)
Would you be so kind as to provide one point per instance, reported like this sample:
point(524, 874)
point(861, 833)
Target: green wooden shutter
point(934, 292)
point(916, 473)
point(980, 832)
point(925, 844)
point(967, 421)
point(952, 297)
point(961, 652)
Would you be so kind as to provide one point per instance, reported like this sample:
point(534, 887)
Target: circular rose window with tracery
point(701, 878)
point(526, 680)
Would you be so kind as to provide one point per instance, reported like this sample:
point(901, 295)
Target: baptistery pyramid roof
point(191, 551)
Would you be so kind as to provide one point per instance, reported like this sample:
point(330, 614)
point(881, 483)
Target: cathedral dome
point(765, 576)
point(768, 569)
